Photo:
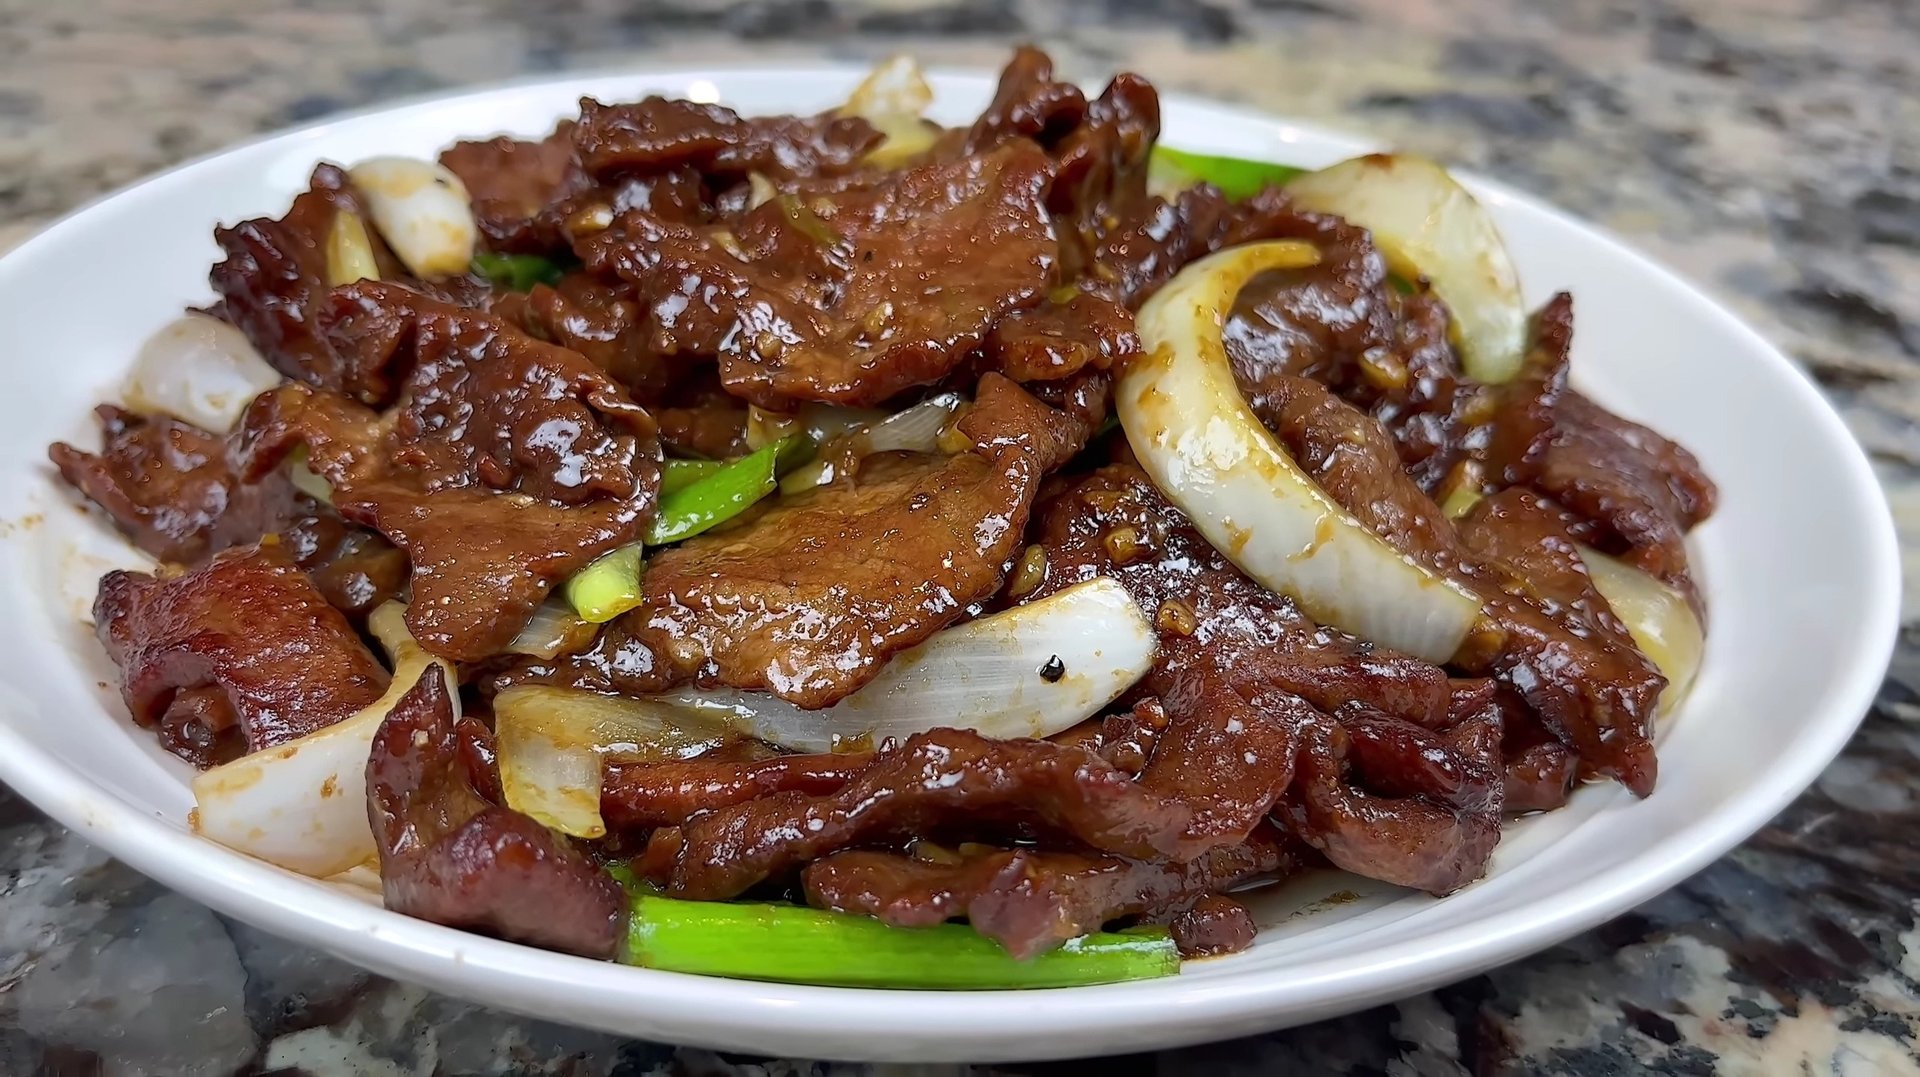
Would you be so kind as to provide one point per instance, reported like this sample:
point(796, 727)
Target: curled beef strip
point(846, 298)
point(1393, 801)
point(356, 570)
point(273, 284)
point(1636, 492)
point(1032, 900)
point(508, 465)
point(239, 655)
point(637, 795)
point(1596, 693)
point(656, 135)
point(515, 186)
point(1070, 333)
point(168, 487)
point(448, 856)
point(809, 599)
point(945, 778)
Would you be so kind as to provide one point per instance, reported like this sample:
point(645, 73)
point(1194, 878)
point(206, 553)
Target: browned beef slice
point(600, 320)
point(1561, 645)
point(1100, 169)
point(1228, 749)
point(1217, 924)
point(1028, 103)
point(448, 856)
point(1114, 523)
point(355, 569)
point(1541, 770)
point(514, 184)
point(1520, 427)
point(245, 642)
point(167, 486)
point(941, 779)
point(508, 464)
point(635, 795)
point(846, 298)
point(1637, 492)
point(1393, 801)
point(1598, 696)
point(656, 134)
point(274, 281)
point(810, 599)
point(1059, 339)
point(1032, 900)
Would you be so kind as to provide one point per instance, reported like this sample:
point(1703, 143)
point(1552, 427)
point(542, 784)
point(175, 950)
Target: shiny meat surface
point(168, 487)
point(846, 298)
point(1032, 900)
point(517, 187)
point(449, 856)
point(240, 654)
point(637, 795)
point(657, 134)
point(507, 465)
point(274, 282)
point(944, 778)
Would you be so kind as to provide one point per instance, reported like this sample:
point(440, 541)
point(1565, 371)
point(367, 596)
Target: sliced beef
point(1028, 103)
point(1636, 492)
point(810, 598)
point(274, 281)
point(508, 464)
point(638, 795)
point(1217, 924)
point(1211, 616)
point(1390, 800)
point(515, 186)
point(939, 780)
point(449, 856)
point(846, 298)
point(1100, 170)
point(168, 487)
point(1032, 900)
point(1599, 697)
point(1070, 333)
point(1558, 641)
point(239, 655)
point(657, 134)
point(355, 569)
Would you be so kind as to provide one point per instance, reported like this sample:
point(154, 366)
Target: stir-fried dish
point(848, 550)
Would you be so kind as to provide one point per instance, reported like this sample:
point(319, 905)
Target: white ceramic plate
point(1799, 565)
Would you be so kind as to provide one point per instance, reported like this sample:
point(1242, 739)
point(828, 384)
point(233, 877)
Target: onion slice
point(199, 370)
point(303, 805)
point(1658, 617)
point(551, 740)
point(892, 98)
point(915, 429)
point(422, 211)
point(1031, 671)
point(1426, 224)
point(1208, 452)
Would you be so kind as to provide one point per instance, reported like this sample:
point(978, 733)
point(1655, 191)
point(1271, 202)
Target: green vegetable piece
point(516, 272)
point(791, 944)
point(677, 475)
point(608, 587)
point(727, 492)
point(1236, 177)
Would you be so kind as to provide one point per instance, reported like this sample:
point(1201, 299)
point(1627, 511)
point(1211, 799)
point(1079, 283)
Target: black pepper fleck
point(1053, 669)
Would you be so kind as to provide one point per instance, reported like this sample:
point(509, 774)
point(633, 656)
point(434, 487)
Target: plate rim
point(928, 1024)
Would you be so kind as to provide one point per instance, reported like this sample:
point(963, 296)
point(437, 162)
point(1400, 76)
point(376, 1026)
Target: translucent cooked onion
point(1031, 671)
point(916, 429)
point(422, 210)
point(818, 421)
point(1661, 622)
point(892, 98)
point(551, 743)
point(199, 370)
point(554, 630)
point(1426, 224)
point(1205, 449)
point(303, 805)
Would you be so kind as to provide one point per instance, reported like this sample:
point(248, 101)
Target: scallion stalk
point(1236, 177)
point(791, 944)
point(516, 272)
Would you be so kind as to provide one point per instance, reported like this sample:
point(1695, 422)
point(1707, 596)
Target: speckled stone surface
point(1768, 149)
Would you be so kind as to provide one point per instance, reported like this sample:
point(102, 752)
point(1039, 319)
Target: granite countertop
point(1768, 149)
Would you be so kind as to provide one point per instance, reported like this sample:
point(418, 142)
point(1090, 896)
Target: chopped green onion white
point(422, 211)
